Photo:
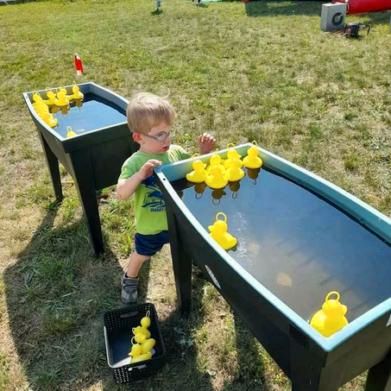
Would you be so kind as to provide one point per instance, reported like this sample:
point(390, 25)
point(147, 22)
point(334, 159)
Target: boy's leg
point(130, 279)
point(136, 260)
point(145, 247)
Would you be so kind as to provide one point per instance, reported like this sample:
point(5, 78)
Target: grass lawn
point(258, 71)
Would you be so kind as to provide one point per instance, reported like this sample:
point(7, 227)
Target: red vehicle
point(363, 6)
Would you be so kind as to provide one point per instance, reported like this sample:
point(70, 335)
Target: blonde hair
point(146, 110)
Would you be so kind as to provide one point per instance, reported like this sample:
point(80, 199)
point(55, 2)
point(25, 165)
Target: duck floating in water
point(38, 102)
point(216, 177)
point(42, 109)
point(219, 232)
point(70, 132)
point(36, 98)
point(76, 93)
point(232, 156)
point(252, 160)
point(214, 161)
point(234, 172)
point(51, 98)
point(331, 318)
point(49, 119)
point(62, 99)
point(198, 175)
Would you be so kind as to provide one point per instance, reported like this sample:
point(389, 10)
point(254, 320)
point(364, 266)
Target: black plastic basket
point(118, 326)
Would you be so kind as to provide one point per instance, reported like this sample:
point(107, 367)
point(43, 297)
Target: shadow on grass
point(275, 8)
point(373, 18)
point(157, 12)
point(56, 296)
point(250, 373)
point(201, 5)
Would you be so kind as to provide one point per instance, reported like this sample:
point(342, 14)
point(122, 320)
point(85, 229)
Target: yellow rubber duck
point(70, 132)
point(76, 93)
point(235, 173)
point(331, 318)
point(252, 160)
point(219, 232)
point(41, 108)
point(62, 99)
point(142, 357)
point(51, 98)
point(38, 103)
point(215, 160)
point(216, 177)
point(36, 98)
point(136, 350)
point(49, 119)
point(232, 155)
point(198, 175)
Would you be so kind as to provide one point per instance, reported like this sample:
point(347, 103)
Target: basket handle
point(139, 367)
point(128, 314)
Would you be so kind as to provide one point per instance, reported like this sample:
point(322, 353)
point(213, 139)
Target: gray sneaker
point(129, 289)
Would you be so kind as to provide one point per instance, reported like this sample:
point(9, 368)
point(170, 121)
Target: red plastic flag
point(78, 65)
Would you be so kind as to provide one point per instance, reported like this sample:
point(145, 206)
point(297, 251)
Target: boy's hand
point(206, 143)
point(147, 169)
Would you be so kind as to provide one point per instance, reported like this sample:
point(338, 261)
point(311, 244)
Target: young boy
point(150, 118)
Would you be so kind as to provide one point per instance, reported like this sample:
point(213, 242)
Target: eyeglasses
point(161, 137)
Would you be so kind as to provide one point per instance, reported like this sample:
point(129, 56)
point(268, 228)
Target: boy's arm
point(126, 187)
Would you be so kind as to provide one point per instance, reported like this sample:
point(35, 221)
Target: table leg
point(314, 382)
point(182, 266)
point(306, 372)
point(84, 181)
point(54, 170)
point(379, 376)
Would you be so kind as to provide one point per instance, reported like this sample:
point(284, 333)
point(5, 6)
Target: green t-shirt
point(149, 206)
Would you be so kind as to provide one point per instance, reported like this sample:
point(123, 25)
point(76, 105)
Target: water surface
point(295, 243)
point(92, 113)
